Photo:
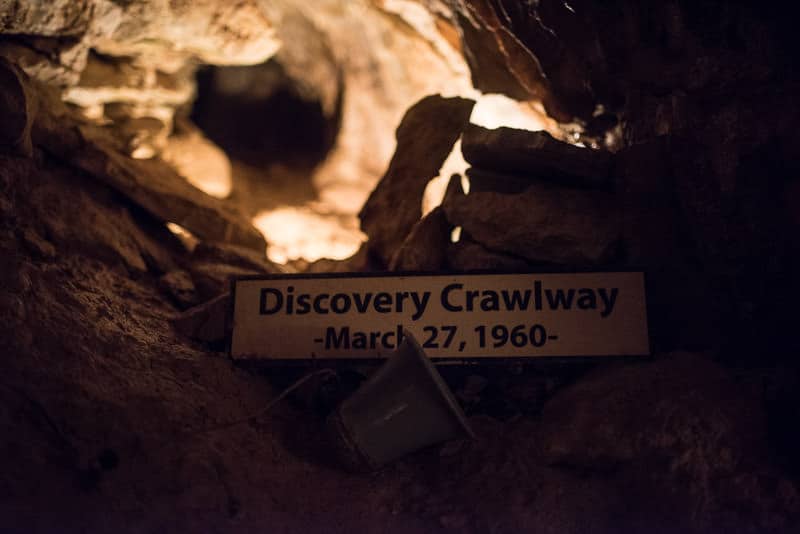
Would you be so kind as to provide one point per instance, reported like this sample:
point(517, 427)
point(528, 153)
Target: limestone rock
point(52, 19)
point(206, 322)
point(179, 286)
point(17, 107)
point(544, 224)
point(154, 186)
point(482, 39)
point(536, 155)
point(58, 62)
point(360, 262)
point(121, 80)
point(151, 184)
point(424, 140)
point(482, 181)
point(211, 279)
point(391, 55)
point(216, 252)
point(682, 420)
point(424, 248)
point(467, 255)
point(202, 163)
point(39, 247)
point(93, 222)
point(214, 32)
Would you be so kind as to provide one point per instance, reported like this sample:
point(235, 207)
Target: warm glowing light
point(186, 237)
point(434, 191)
point(490, 111)
point(201, 162)
point(494, 111)
point(301, 233)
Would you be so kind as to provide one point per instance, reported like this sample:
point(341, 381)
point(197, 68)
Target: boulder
point(178, 285)
point(467, 255)
point(684, 425)
point(151, 184)
point(360, 262)
point(164, 31)
point(535, 155)
point(234, 255)
point(424, 248)
point(425, 138)
point(206, 322)
point(91, 220)
point(542, 225)
point(211, 279)
point(482, 181)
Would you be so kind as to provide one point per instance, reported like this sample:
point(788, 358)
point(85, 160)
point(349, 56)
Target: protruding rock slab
point(211, 252)
point(211, 279)
point(544, 224)
point(206, 322)
point(425, 138)
point(685, 424)
point(536, 155)
point(467, 255)
point(424, 248)
point(154, 186)
point(481, 181)
point(151, 184)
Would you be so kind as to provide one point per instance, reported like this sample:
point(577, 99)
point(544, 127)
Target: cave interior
point(153, 152)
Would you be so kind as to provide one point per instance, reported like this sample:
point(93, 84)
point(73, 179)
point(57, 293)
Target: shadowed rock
point(151, 184)
point(684, 424)
point(535, 155)
point(424, 248)
point(467, 255)
point(425, 138)
point(544, 224)
point(17, 108)
point(206, 322)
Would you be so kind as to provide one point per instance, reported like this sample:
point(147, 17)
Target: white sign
point(452, 316)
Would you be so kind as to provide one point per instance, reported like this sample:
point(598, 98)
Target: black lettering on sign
point(277, 297)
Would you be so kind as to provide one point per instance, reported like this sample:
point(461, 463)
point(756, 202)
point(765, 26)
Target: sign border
point(288, 362)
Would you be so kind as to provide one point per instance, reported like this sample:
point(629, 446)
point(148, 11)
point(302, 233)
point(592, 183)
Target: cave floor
point(105, 411)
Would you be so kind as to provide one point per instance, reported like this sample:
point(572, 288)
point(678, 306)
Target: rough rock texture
point(151, 184)
point(111, 418)
point(105, 409)
point(544, 224)
point(231, 254)
point(468, 255)
point(425, 138)
point(211, 279)
point(391, 55)
point(208, 322)
point(178, 284)
point(680, 420)
point(536, 155)
point(625, 57)
point(425, 247)
point(160, 33)
point(132, 62)
point(499, 60)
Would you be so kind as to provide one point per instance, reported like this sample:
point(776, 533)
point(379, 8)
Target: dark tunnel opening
point(260, 116)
